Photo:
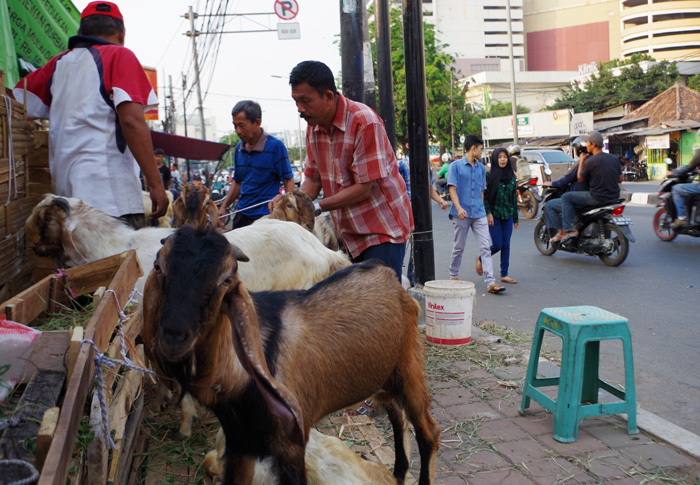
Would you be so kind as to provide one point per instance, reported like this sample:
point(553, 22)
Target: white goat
point(164, 221)
point(285, 255)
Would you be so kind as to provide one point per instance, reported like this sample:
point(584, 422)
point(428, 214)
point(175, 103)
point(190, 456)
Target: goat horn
point(61, 203)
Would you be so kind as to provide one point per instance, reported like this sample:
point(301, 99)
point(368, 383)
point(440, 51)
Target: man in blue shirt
point(261, 163)
point(466, 182)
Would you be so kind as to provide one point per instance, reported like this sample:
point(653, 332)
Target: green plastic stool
point(581, 329)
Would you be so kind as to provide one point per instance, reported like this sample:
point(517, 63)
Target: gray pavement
point(485, 439)
point(476, 393)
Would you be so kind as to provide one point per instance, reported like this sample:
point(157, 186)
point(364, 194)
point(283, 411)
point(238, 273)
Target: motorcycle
point(667, 209)
point(603, 232)
point(528, 198)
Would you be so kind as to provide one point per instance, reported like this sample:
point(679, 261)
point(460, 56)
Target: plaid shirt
point(357, 150)
point(505, 204)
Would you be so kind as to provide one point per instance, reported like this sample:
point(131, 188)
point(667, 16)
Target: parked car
point(555, 159)
point(297, 170)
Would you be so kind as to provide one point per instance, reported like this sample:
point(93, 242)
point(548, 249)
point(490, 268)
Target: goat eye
point(156, 266)
point(228, 281)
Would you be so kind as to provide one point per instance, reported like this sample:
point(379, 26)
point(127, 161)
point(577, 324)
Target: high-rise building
point(476, 32)
point(664, 29)
point(566, 34)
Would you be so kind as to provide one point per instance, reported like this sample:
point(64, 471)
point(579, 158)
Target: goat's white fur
point(164, 221)
point(283, 255)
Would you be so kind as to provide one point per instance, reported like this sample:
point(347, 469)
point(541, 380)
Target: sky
point(249, 66)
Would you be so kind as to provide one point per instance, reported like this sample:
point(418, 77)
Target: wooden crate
point(56, 439)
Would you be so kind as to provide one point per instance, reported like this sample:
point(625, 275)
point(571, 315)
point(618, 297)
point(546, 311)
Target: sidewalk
point(476, 391)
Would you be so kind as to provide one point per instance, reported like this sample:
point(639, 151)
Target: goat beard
point(184, 370)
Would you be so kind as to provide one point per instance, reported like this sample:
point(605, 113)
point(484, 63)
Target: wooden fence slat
point(57, 460)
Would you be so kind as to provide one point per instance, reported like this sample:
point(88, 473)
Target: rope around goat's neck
point(101, 359)
point(246, 208)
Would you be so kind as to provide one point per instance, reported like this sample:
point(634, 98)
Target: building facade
point(476, 32)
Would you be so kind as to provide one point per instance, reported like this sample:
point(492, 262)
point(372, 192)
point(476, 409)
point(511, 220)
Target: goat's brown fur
point(297, 207)
point(195, 208)
point(355, 333)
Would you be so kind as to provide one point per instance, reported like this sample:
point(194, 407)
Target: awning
point(191, 148)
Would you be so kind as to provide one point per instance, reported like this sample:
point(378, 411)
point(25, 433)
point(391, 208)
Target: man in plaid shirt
point(351, 159)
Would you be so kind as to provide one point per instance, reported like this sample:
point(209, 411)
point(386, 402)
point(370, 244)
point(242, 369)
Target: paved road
point(657, 289)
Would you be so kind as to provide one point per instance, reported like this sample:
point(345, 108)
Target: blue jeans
point(553, 212)
point(388, 253)
point(501, 231)
point(569, 202)
point(679, 193)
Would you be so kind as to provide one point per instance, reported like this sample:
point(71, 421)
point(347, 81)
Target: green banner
point(40, 29)
point(8, 58)
point(689, 143)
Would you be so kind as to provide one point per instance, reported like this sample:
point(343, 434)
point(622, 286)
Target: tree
point(694, 82)
point(445, 99)
point(604, 89)
point(230, 139)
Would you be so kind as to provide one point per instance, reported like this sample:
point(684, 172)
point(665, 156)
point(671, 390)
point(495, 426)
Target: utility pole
point(172, 104)
point(512, 75)
point(417, 117)
point(351, 50)
point(184, 117)
point(385, 76)
point(193, 35)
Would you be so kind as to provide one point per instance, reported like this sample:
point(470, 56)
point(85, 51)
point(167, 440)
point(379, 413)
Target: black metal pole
point(351, 50)
point(385, 76)
point(417, 117)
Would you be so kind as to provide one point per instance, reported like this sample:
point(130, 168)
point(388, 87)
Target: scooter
point(667, 209)
point(603, 232)
point(528, 198)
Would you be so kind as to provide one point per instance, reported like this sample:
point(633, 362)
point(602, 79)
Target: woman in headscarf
point(501, 203)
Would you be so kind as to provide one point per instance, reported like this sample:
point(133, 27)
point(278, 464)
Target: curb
point(654, 425)
point(640, 198)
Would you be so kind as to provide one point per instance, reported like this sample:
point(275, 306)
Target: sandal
point(509, 280)
point(556, 238)
point(495, 289)
point(479, 267)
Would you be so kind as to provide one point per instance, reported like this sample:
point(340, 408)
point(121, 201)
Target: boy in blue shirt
point(466, 182)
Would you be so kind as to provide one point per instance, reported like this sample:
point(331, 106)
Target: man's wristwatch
point(317, 209)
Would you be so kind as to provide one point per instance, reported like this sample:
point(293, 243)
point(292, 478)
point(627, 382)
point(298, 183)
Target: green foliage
point(230, 139)
point(604, 89)
point(445, 98)
point(499, 109)
point(693, 82)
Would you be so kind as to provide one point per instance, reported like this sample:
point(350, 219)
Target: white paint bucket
point(448, 311)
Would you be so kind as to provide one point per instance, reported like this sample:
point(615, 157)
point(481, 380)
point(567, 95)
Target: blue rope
point(101, 359)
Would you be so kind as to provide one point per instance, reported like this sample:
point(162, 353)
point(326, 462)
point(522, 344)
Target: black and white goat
point(271, 364)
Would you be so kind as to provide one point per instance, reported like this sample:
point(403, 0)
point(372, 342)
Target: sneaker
point(679, 223)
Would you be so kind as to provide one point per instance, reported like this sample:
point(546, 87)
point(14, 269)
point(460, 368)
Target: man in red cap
point(94, 96)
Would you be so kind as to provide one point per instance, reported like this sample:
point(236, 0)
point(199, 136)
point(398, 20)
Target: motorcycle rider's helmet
point(446, 157)
point(579, 146)
point(514, 149)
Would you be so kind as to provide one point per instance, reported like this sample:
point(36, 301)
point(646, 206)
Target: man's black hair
point(159, 151)
point(470, 141)
point(314, 73)
point(251, 109)
point(100, 26)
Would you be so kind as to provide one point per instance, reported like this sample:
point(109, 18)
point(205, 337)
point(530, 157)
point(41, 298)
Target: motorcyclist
point(441, 182)
point(520, 164)
point(567, 183)
point(680, 191)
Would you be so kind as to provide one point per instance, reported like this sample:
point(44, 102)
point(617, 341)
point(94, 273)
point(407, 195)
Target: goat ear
point(239, 255)
point(249, 350)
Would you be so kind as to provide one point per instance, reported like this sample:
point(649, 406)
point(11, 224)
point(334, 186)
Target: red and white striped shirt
point(357, 150)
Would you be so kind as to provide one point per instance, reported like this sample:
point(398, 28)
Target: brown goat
point(295, 206)
point(195, 208)
point(271, 364)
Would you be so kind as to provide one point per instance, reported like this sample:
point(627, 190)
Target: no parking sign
point(286, 9)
